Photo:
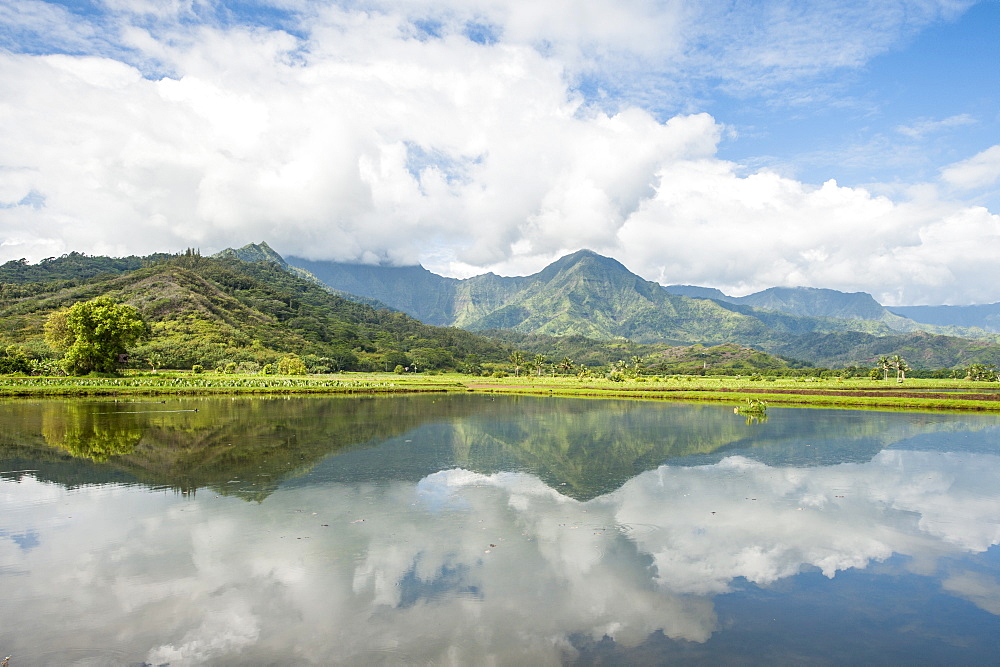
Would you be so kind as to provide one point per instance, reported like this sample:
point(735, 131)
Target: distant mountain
point(804, 301)
point(975, 322)
point(411, 289)
point(696, 292)
point(585, 294)
point(816, 302)
point(986, 317)
point(582, 294)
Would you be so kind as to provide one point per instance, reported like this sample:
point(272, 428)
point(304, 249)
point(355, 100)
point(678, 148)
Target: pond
point(471, 529)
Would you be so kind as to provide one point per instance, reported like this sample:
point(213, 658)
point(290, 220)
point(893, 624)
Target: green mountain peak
point(253, 252)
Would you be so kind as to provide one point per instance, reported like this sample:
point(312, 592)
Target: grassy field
point(911, 394)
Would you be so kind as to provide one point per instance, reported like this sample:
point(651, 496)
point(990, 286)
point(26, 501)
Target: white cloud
point(980, 170)
point(921, 128)
point(364, 139)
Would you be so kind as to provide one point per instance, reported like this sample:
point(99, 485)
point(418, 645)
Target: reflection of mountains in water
point(583, 448)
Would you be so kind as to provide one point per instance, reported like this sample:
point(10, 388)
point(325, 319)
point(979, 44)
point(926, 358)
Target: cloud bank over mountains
point(473, 137)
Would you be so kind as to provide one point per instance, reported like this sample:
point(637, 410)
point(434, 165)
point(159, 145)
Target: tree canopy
point(94, 335)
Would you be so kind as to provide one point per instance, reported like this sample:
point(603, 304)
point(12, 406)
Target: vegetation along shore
point(248, 322)
point(921, 394)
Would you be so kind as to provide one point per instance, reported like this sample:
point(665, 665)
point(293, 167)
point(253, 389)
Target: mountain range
point(251, 305)
point(587, 294)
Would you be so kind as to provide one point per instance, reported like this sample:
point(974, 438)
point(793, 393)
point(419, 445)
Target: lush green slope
point(210, 311)
point(250, 306)
point(586, 294)
point(261, 252)
point(921, 350)
point(654, 357)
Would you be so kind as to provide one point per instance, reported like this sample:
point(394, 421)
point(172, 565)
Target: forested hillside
point(247, 308)
point(213, 311)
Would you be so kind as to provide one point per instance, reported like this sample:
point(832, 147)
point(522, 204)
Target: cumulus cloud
point(458, 135)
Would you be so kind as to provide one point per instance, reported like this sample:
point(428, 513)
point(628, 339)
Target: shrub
point(198, 368)
point(398, 370)
point(291, 365)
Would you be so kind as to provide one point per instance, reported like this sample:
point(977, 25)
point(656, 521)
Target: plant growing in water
point(753, 406)
point(755, 410)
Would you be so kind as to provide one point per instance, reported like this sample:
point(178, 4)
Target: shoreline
point(917, 395)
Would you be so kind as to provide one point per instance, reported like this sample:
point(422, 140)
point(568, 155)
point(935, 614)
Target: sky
point(851, 145)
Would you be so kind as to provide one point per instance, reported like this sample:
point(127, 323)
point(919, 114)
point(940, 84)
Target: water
point(477, 530)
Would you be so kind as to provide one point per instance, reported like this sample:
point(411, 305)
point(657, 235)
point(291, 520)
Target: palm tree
point(900, 365)
point(539, 363)
point(566, 365)
point(517, 358)
point(884, 364)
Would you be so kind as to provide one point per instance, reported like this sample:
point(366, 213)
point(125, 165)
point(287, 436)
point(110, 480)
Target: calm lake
point(473, 530)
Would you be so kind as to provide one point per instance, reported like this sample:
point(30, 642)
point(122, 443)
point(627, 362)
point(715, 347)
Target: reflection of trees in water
point(85, 431)
point(583, 448)
point(237, 446)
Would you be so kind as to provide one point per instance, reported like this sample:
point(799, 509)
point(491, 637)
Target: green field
point(911, 394)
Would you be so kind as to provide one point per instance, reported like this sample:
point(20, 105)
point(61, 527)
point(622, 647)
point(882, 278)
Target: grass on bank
point(919, 394)
point(167, 383)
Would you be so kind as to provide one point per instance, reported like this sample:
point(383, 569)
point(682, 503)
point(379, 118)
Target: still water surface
point(473, 530)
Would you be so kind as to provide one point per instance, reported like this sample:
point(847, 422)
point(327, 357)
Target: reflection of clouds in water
point(464, 567)
point(979, 589)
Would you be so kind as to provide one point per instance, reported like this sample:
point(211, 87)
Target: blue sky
point(925, 102)
point(852, 145)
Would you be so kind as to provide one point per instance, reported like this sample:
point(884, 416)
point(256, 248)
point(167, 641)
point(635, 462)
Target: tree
point(94, 335)
point(538, 361)
point(884, 364)
point(566, 365)
point(15, 360)
point(902, 367)
point(517, 358)
point(155, 360)
point(982, 373)
point(291, 364)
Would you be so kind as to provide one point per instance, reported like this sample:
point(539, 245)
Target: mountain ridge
point(587, 294)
